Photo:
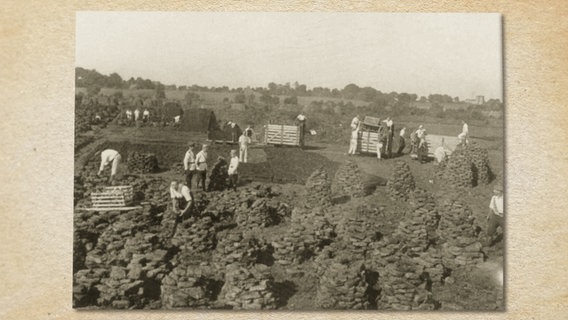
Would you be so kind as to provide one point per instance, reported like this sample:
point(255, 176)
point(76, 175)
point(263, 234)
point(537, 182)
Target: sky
point(454, 54)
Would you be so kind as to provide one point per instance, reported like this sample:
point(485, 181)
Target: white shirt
point(465, 129)
point(354, 123)
point(189, 160)
point(201, 160)
point(233, 165)
point(107, 157)
point(176, 119)
point(355, 134)
point(301, 117)
point(420, 133)
point(146, 112)
point(136, 112)
point(388, 122)
point(496, 205)
point(402, 132)
point(183, 193)
point(244, 140)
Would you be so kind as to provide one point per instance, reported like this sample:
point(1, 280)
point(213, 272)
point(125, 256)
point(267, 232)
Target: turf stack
point(186, 286)
point(349, 181)
point(401, 184)
point(404, 288)
point(142, 163)
point(248, 288)
point(479, 158)
point(258, 214)
point(233, 247)
point(343, 286)
point(459, 173)
point(318, 189)
point(424, 205)
point(219, 176)
point(457, 229)
point(195, 235)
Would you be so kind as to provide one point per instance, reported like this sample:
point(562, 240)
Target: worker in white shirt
point(495, 217)
point(201, 167)
point(233, 170)
point(354, 140)
point(301, 118)
point(136, 114)
point(146, 115)
point(189, 165)
point(464, 134)
point(389, 135)
point(401, 141)
point(128, 116)
point(108, 156)
point(244, 142)
point(380, 143)
point(355, 123)
point(181, 198)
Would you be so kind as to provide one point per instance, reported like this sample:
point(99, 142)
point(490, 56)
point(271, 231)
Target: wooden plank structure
point(368, 142)
point(434, 141)
point(112, 197)
point(369, 135)
point(278, 134)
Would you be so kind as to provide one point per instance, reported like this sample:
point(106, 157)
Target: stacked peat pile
point(219, 176)
point(318, 189)
point(404, 287)
point(458, 174)
point(127, 259)
point(343, 286)
point(142, 163)
point(440, 169)
point(234, 247)
point(195, 235)
point(401, 184)
point(457, 229)
point(349, 181)
point(249, 288)
point(309, 232)
point(424, 205)
point(187, 286)
point(479, 158)
point(358, 233)
point(256, 213)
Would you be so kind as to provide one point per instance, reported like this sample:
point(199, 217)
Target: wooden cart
point(278, 134)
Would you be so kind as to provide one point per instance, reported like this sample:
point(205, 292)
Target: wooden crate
point(282, 135)
point(368, 142)
point(111, 197)
point(434, 141)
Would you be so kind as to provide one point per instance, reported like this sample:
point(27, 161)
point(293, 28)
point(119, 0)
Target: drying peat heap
point(348, 181)
point(318, 189)
point(401, 184)
point(467, 167)
point(232, 250)
point(142, 163)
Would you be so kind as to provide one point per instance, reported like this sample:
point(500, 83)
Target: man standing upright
point(355, 123)
point(401, 141)
point(233, 170)
point(463, 136)
point(244, 141)
point(189, 165)
point(390, 136)
point(201, 167)
point(301, 118)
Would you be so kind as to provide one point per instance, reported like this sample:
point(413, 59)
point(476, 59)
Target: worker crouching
point(110, 156)
point(182, 201)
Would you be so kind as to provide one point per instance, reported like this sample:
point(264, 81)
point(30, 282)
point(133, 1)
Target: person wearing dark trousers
point(233, 170)
point(401, 141)
point(201, 167)
point(189, 165)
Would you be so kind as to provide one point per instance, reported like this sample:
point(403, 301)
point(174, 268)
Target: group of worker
point(242, 138)
point(135, 116)
point(385, 141)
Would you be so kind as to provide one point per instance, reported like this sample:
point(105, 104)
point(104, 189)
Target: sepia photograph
point(289, 161)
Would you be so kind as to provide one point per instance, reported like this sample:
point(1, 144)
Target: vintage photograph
point(289, 161)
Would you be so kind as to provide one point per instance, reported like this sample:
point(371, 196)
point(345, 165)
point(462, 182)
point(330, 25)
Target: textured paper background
point(37, 87)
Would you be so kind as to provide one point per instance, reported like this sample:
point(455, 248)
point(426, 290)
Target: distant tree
point(182, 87)
point(350, 91)
point(240, 98)
point(93, 90)
point(291, 100)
